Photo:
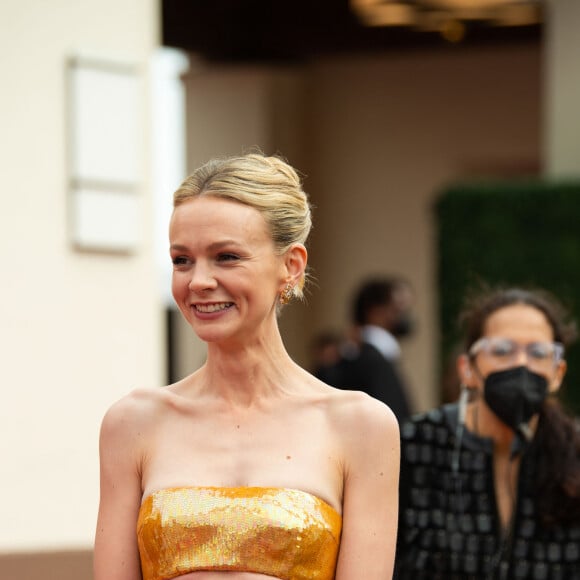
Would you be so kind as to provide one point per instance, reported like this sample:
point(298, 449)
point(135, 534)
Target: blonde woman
point(250, 468)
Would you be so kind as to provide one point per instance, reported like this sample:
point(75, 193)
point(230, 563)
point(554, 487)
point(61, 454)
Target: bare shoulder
point(367, 434)
point(359, 415)
point(133, 412)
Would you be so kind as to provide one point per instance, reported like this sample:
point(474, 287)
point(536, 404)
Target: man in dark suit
point(381, 313)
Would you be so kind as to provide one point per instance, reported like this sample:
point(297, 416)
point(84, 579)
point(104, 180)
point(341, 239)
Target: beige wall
point(377, 138)
point(77, 330)
point(562, 90)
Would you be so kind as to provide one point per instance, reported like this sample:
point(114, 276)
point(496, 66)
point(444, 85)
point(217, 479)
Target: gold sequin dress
point(284, 533)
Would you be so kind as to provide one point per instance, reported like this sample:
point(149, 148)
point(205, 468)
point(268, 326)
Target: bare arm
point(370, 504)
point(116, 555)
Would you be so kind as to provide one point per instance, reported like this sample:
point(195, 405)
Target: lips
point(213, 307)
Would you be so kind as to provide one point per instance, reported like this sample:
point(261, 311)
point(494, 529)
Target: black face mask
point(515, 396)
point(403, 327)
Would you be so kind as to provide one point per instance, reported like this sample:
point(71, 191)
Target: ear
point(465, 371)
point(556, 381)
point(295, 260)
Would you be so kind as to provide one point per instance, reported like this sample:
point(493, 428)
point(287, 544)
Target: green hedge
point(521, 233)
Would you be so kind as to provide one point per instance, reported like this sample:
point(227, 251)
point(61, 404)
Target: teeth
point(212, 307)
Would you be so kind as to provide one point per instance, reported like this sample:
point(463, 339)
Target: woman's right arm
point(116, 555)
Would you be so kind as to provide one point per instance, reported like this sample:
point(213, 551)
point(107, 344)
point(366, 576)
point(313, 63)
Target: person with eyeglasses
point(490, 485)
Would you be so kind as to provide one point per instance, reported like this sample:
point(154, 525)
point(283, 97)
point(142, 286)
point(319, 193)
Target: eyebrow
point(215, 246)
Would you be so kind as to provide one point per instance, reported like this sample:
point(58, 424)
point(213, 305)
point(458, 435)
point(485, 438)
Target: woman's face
point(226, 274)
point(516, 335)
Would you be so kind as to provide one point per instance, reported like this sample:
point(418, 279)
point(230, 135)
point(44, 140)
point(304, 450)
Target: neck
point(243, 374)
point(482, 421)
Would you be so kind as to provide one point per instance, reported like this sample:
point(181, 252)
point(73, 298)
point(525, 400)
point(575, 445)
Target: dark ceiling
point(294, 30)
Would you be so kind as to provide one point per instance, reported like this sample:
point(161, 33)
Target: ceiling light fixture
point(448, 17)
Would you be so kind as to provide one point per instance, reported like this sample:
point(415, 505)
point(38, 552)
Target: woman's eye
point(500, 352)
point(179, 260)
point(539, 351)
point(502, 349)
point(228, 257)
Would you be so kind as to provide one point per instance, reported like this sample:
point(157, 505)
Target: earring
point(462, 404)
point(286, 294)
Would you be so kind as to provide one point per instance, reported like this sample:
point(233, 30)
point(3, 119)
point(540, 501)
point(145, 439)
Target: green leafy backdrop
point(521, 233)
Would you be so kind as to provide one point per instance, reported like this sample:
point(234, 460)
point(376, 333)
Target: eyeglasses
point(503, 351)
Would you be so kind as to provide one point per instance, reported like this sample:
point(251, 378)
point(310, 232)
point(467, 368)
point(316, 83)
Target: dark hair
point(481, 304)
point(557, 442)
point(373, 292)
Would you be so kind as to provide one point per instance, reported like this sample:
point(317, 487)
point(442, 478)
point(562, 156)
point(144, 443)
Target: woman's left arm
point(370, 502)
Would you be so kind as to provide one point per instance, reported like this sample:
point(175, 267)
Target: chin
point(212, 335)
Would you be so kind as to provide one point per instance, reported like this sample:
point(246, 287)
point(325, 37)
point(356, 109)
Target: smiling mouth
point(213, 307)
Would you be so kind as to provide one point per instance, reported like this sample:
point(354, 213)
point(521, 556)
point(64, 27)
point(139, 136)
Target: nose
point(521, 357)
point(202, 277)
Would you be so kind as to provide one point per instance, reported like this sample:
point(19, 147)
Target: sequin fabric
point(284, 533)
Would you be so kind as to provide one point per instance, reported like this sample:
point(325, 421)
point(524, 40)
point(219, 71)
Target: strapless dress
point(284, 533)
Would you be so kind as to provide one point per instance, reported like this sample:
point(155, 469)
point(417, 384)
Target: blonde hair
point(268, 184)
